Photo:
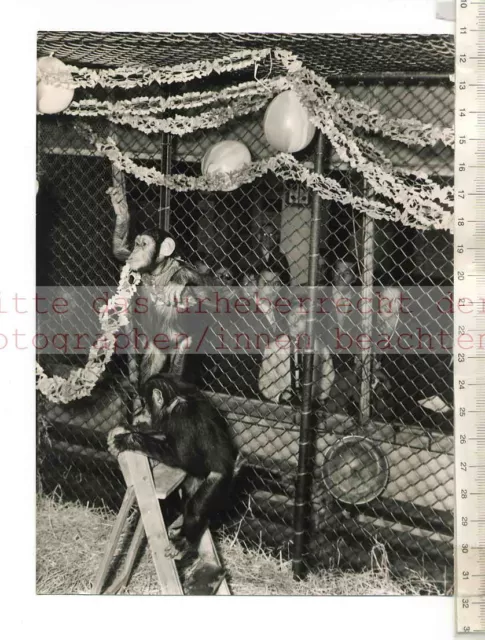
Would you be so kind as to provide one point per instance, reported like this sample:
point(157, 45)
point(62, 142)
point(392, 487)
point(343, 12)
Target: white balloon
point(50, 98)
point(224, 157)
point(287, 126)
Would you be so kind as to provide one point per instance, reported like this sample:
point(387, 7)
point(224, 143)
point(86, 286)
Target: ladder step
point(149, 485)
point(166, 480)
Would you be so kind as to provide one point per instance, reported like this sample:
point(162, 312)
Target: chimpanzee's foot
point(177, 548)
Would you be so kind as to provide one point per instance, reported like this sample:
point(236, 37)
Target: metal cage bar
point(305, 452)
point(367, 285)
point(165, 167)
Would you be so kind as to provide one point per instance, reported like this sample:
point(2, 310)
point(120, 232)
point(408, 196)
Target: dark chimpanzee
point(187, 432)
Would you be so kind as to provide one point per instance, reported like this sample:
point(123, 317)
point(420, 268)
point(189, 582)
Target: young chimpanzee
point(187, 432)
point(165, 281)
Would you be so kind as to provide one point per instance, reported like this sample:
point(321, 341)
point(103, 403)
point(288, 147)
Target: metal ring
point(379, 458)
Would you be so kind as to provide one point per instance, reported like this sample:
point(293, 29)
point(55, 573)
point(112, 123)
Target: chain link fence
point(291, 495)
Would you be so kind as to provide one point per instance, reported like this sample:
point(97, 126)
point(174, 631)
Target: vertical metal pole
point(165, 167)
point(367, 292)
point(305, 454)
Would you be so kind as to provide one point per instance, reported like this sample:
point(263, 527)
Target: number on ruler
point(470, 30)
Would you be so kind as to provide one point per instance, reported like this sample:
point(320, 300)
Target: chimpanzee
point(186, 431)
point(166, 279)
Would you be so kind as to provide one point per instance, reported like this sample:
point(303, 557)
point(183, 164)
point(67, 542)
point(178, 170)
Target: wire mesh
point(328, 54)
point(260, 394)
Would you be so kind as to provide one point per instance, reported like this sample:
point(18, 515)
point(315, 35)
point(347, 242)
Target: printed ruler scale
point(469, 317)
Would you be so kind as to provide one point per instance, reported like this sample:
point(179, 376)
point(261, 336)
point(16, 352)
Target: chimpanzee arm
point(187, 279)
point(118, 199)
point(182, 284)
point(153, 445)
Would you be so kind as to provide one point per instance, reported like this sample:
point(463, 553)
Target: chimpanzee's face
point(143, 258)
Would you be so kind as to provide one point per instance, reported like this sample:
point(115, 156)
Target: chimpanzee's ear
point(167, 248)
point(157, 399)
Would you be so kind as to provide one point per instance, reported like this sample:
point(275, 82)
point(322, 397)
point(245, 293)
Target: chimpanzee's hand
point(118, 200)
point(141, 419)
point(116, 192)
point(118, 440)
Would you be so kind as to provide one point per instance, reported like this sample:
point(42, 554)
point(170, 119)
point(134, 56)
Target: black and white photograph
point(244, 267)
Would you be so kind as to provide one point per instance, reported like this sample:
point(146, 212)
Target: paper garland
point(147, 105)
point(354, 113)
point(286, 167)
point(181, 125)
point(412, 198)
point(129, 77)
point(81, 381)
point(423, 205)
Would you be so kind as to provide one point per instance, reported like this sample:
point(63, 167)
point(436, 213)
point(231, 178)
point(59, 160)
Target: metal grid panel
point(328, 54)
point(413, 517)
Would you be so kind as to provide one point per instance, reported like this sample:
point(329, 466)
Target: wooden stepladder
point(146, 487)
